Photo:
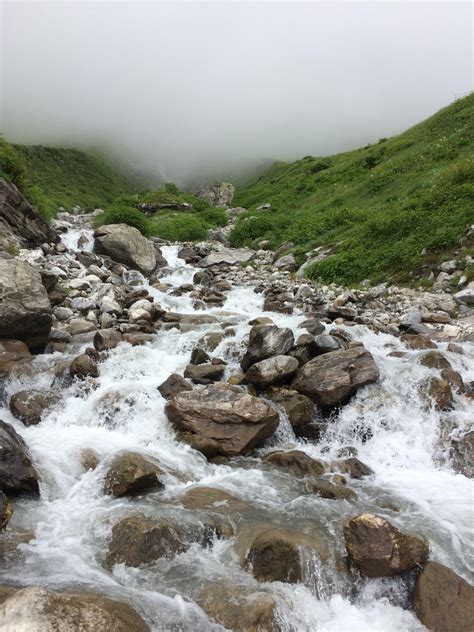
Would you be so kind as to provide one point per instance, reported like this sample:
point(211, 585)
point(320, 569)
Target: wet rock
point(239, 608)
point(326, 489)
point(35, 609)
point(137, 338)
point(236, 421)
point(266, 341)
point(454, 379)
point(17, 474)
point(434, 360)
point(462, 454)
point(130, 473)
point(6, 511)
point(212, 499)
point(353, 467)
point(325, 343)
point(83, 366)
point(29, 406)
point(443, 601)
point(25, 310)
point(418, 341)
point(89, 459)
point(313, 326)
point(296, 462)
point(173, 385)
point(211, 340)
point(106, 339)
point(299, 408)
point(379, 549)
point(437, 392)
point(272, 371)
point(13, 353)
point(126, 245)
point(78, 326)
point(199, 356)
point(272, 553)
point(331, 378)
point(204, 373)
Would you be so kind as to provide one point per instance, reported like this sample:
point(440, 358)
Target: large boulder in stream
point(232, 421)
point(36, 609)
point(331, 378)
point(266, 341)
point(126, 245)
point(272, 371)
point(25, 310)
point(17, 473)
point(130, 473)
point(443, 601)
point(379, 549)
point(28, 406)
point(297, 462)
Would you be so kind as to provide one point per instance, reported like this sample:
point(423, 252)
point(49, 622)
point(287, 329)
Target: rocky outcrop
point(36, 609)
point(126, 245)
point(219, 194)
point(25, 310)
point(443, 601)
point(266, 341)
point(272, 371)
point(379, 549)
point(20, 224)
point(233, 421)
point(17, 474)
point(331, 378)
point(130, 473)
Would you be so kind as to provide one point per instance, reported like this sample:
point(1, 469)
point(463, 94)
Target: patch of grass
point(179, 227)
point(378, 206)
point(121, 213)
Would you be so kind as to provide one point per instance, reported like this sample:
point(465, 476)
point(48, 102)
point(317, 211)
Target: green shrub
point(250, 229)
point(183, 227)
point(122, 214)
point(213, 216)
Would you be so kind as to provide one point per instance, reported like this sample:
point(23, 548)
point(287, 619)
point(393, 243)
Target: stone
point(25, 310)
point(36, 609)
point(462, 454)
point(379, 549)
point(466, 295)
point(272, 371)
point(28, 406)
point(219, 195)
point(89, 459)
point(418, 341)
point(434, 360)
point(266, 341)
point(299, 408)
point(331, 378)
point(106, 339)
point(173, 385)
point(353, 467)
point(312, 326)
point(130, 473)
point(443, 601)
point(296, 462)
point(326, 489)
point(204, 373)
point(17, 474)
point(325, 343)
point(6, 511)
point(126, 245)
point(227, 257)
point(83, 366)
point(286, 262)
point(13, 353)
point(212, 499)
point(454, 379)
point(78, 326)
point(199, 356)
point(236, 421)
point(437, 392)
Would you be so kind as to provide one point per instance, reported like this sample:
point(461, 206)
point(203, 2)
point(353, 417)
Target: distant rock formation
point(220, 194)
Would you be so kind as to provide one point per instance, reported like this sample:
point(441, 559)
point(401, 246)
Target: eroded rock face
point(379, 549)
point(219, 195)
point(17, 474)
point(131, 473)
point(331, 378)
point(126, 245)
point(35, 609)
point(25, 310)
point(233, 421)
point(443, 601)
point(266, 341)
point(29, 406)
point(272, 371)
point(295, 461)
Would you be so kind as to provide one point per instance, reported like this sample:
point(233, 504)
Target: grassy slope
point(53, 177)
point(380, 206)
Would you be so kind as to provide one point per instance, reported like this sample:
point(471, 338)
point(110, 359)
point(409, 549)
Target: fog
point(198, 91)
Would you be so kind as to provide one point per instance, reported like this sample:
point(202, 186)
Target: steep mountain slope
point(380, 206)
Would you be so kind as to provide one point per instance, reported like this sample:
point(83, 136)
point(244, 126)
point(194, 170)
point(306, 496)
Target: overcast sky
point(198, 88)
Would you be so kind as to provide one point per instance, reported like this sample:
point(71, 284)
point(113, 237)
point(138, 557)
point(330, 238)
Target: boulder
point(199, 356)
point(20, 224)
point(299, 408)
point(126, 245)
point(437, 392)
point(239, 608)
point(83, 366)
point(296, 461)
point(443, 601)
point(272, 371)
point(353, 467)
point(462, 454)
point(25, 310)
point(17, 473)
point(130, 473)
point(219, 194)
point(204, 373)
point(106, 339)
point(6, 511)
point(325, 343)
point(434, 360)
point(13, 353)
point(326, 489)
point(236, 421)
point(29, 406)
point(227, 257)
point(466, 295)
point(331, 378)
point(379, 549)
point(286, 262)
point(418, 341)
point(266, 341)
point(212, 499)
point(173, 385)
point(35, 609)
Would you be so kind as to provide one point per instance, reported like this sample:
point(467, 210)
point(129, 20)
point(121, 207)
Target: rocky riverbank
point(197, 432)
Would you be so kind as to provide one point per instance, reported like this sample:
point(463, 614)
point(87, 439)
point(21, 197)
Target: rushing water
point(387, 423)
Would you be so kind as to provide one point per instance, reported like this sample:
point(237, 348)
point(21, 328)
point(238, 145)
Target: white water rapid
point(394, 434)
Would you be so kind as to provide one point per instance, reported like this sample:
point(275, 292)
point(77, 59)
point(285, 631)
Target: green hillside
point(378, 206)
point(51, 177)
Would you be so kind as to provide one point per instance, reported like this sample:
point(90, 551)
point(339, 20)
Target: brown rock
point(89, 459)
point(326, 489)
point(106, 339)
point(131, 473)
point(204, 373)
point(212, 499)
point(418, 341)
point(272, 371)
point(13, 353)
point(353, 467)
point(173, 385)
point(434, 360)
point(437, 392)
point(6, 511)
point(295, 461)
point(331, 378)
point(443, 601)
point(454, 379)
point(462, 454)
point(379, 549)
point(299, 408)
point(83, 366)
point(17, 474)
point(266, 341)
point(29, 406)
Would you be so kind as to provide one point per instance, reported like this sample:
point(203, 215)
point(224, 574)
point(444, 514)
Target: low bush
point(123, 214)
